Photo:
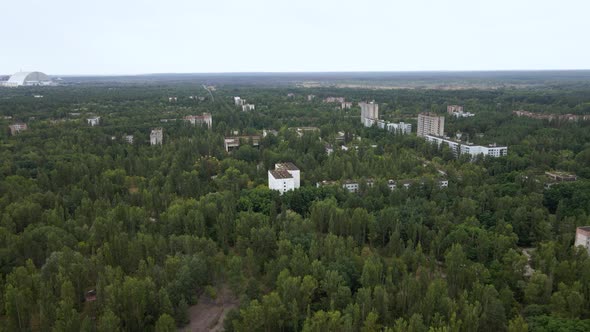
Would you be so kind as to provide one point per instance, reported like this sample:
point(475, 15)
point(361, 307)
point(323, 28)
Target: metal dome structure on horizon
point(28, 79)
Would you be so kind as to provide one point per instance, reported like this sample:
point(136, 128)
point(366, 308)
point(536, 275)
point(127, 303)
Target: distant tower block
point(430, 124)
point(157, 136)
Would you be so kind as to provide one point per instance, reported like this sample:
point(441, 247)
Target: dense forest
point(97, 234)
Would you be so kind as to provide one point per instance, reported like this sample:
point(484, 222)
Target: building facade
point(454, 108)
point(369, 113)
point(204, 119)
point(95, 121)
point(285, 177)
point(460, 148)
point(157, 136)
point(430, 124)
point(248, 107)
point(583, 237)
point(400, 128)
point(17, 128)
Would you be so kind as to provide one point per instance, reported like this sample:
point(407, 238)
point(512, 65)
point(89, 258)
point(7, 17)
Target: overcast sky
point(189, 36)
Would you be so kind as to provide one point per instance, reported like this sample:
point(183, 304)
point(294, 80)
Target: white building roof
point(23, 77)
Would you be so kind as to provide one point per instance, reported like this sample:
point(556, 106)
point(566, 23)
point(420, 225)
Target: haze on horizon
point(67, 37)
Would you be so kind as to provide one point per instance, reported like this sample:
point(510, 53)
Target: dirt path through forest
point(209, 314)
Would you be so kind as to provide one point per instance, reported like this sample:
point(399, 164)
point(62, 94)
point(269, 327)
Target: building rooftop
point(287, 166)
point(281, 174)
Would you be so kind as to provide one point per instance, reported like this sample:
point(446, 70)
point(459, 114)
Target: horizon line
point(313, 72)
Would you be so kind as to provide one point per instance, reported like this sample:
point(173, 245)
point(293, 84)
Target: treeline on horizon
point(153, 229)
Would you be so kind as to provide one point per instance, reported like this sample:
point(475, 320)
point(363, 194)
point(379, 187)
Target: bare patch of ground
point(208, 314)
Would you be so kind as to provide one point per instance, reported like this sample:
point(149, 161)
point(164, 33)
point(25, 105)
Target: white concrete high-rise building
point(430, 124)
point(369, 113)
point(200, 119)
point(157, 136)
point(285, 177)
point(401, 128)
point(94, 121)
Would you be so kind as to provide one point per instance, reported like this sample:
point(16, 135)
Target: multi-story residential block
point(369, 113)
point(239, 101)
point(459, 147)
point(430, 124)
point(400, 128)
point(17, 128)
point(285, 177)
point(157, 136)
point(583, 237)
point(248, 107)
point(204, 119)
point(94, 121)
point(346, 105)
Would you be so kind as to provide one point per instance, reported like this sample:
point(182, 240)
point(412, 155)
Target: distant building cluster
point(204, 119)
point(354, 186)
point(34, 78)
point(457, 111)
point(285, 177)
point(552, 117)
point(243, 104)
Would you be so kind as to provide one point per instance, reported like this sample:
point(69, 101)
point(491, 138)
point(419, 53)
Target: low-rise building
point(310, 97)
point(346, 105)
point(459, 147)
point(233, 142)
point(172, 99)
point(128, 138)
point(303, 130)
point(561, 176)
point(285, 177)
point(94, 121)
point(157, 136)
point(17, 128)
point(334, 100)
point(204, 119)
point(583, 237)
point(454, 108)
point(351, 186)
